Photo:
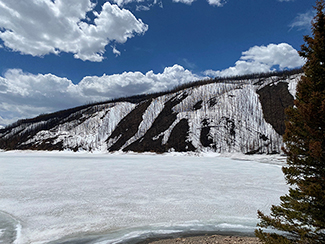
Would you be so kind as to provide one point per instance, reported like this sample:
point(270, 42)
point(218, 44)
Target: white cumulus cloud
point(40, 27)
point(263, 59)
point(130, 83)
point(25, 95)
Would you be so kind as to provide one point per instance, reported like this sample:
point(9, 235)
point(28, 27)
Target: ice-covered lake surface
point(64, 197)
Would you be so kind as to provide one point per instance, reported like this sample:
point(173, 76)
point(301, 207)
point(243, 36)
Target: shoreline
point(206, 239)
point(227, 237)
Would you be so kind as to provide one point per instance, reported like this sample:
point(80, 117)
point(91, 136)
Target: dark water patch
point(8, 228)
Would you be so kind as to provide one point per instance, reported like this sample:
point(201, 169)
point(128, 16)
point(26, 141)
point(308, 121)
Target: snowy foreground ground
point(52, 197)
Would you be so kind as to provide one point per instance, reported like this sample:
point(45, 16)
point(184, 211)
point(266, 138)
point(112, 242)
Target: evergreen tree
point(300, 217)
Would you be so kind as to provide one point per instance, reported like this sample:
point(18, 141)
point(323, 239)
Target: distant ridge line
point(142, 97)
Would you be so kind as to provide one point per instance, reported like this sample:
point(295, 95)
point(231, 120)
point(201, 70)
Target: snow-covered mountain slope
point(239, 115)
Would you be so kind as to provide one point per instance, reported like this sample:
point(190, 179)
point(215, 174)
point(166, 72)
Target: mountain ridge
point(238, 114)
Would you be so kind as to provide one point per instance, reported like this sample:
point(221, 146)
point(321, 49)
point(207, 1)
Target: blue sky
point(63, 53)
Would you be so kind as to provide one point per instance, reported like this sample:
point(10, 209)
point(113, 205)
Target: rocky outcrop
point(274, 100)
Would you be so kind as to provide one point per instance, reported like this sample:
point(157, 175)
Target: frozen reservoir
point(63, 197)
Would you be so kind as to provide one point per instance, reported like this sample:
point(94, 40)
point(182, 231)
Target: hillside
point(239, 114)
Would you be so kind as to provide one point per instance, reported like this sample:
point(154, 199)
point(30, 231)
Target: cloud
point(282, 54)
point(263, 59)
point(40, 27)
point(218, 3)
point(130, 83)
point(184, 1)
point(150, 3)
point(142, 8)
point(120, 3)
point(188, 64)
point(303, 20)
point(115, 51)
point(25, 95)
point(124, 2)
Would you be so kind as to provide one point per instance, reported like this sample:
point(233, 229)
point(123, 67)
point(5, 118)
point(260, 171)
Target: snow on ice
point(55, 197)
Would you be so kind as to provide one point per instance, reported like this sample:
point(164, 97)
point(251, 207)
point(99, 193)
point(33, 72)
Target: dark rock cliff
point(274, 100)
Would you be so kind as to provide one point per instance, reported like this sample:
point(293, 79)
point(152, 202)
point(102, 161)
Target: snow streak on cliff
point(240, 115)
